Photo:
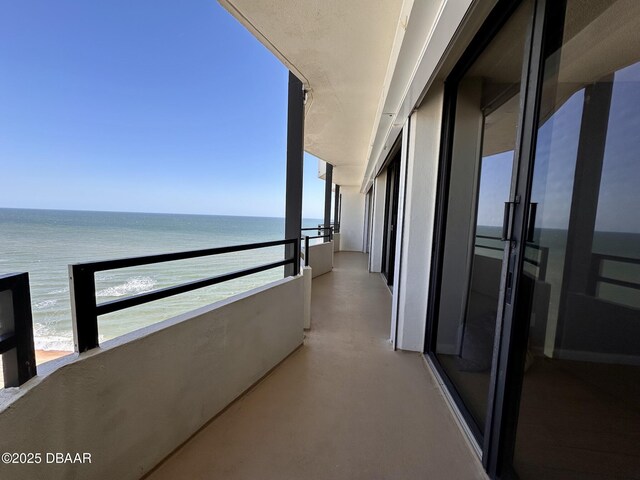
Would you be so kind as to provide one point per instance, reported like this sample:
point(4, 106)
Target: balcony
point(344, 405)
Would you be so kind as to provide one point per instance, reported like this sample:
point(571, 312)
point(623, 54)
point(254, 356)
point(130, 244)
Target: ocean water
point(625, 245)
point(45, 242)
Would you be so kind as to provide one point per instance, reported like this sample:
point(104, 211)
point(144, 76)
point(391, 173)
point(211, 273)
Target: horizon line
point(150, 213)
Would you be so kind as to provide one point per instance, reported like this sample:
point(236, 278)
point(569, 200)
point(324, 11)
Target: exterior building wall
point(352, 219)
point(402, 187)
point(419, 211)
point(377, 231)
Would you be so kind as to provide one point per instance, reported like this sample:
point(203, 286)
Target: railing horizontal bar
point(489, 237)
point(8, 281)
point(7, 342)
point(319, 236)
point(490, 248)
point(116, 305)
point(616, 258)
point(620, 283)
point(169, 257)
point(316, 228)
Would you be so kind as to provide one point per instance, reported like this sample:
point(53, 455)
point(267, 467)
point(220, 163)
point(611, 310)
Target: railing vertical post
point(593, 275)
point(306, 250)
point(18, 357)
point(82, 286)
point(296, 257)
point(25, 351)
point(336, 209)
point(328, 182)
point(544, 258)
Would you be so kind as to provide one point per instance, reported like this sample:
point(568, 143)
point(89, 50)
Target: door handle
point(531, 224)
point(507, 220)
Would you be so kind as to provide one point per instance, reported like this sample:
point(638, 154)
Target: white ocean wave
point(45, 339)
point(59, 291)
point(132, 286)
point(45, 304)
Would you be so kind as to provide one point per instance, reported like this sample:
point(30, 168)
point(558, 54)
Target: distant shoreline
point(153, 213)
point(43, 356)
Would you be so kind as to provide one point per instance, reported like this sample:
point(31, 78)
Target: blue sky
point(555, 163)
point(152, 106)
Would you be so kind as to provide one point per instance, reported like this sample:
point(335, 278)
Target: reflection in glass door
point(487, 106)
point(391, 219)
point(580, 287)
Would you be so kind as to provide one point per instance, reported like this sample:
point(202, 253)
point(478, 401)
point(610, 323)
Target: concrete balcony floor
point(344, 406)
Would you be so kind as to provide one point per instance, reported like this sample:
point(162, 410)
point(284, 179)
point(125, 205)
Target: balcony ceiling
point(341, 50)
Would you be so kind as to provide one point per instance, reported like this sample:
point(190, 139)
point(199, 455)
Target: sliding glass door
point(391, 219)
point(579, 414)
point(534, 314)
point(487, 100)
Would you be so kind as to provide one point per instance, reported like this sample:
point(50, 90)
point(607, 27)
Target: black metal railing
point(307, 252)
point(334, 226)
point(16, 325)
point(319, 229)
point(540, 263)
point(306, 238)
point(596, 275)
point(85, 310)
point(489, 247)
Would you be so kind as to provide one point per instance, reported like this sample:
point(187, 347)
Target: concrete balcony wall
point(352, 219)
point(133, 401)
point(321, 258)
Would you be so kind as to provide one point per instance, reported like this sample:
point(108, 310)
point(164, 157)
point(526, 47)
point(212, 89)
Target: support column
point(336, 210)
point(295, 156)
point(585, 197)
point(328, 181)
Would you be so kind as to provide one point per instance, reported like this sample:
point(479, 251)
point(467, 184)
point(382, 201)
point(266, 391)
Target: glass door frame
point(497, 444)
point(392, 199)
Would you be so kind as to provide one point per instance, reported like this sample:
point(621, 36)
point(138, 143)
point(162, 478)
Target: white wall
point(307, 273)
point(132, 402)
point(352, 219)
point(419, 211)
point(321, 258)
point(377, 232)
point(397, 284)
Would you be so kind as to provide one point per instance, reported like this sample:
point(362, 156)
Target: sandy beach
point(42, 356)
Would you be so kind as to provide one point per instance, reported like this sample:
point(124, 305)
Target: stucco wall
point(397, 266)
point(352, 219)
point(336, 242)
point(419, 213)
point(377, 231)
point(307, 273)
point(321, 258)
point(136, 399)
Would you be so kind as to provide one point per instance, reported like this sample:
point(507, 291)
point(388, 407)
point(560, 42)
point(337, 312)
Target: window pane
point(487, 108)
point(580, 407)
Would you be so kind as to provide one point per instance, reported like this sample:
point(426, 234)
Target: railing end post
point(82, 288)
